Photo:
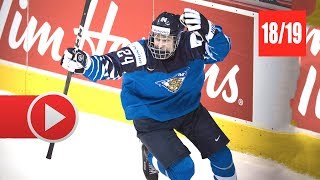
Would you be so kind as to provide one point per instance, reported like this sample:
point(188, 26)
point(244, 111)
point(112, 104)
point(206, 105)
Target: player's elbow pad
point(217, 48)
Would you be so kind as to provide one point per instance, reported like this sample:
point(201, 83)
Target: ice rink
point(106, 149)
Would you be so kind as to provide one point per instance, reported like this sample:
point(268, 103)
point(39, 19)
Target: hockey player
point(162, 78)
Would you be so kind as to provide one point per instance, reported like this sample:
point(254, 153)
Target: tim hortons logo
point(30, 35)
point(211, 76)
point(306, 93)
point(313, 36)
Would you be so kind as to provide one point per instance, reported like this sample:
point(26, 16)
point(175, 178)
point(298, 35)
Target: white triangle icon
point(52, 117)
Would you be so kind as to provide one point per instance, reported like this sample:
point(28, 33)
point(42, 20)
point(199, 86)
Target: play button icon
point(52, 117)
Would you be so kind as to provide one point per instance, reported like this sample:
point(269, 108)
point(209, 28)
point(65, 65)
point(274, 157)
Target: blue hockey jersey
point(160, 89)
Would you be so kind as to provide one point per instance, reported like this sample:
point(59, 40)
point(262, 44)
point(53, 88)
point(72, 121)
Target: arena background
point(268, 106)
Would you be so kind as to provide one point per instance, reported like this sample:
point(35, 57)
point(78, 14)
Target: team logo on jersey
point(173, 84)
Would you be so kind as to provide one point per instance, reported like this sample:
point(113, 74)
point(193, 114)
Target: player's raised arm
point(206, 36)
point(109, 66)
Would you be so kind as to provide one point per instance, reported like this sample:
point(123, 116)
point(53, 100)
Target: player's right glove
point(75, 60)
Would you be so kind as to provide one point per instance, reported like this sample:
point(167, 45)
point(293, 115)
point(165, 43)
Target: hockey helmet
point(165, 35)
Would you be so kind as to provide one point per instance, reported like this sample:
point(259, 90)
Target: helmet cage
point(169, 41)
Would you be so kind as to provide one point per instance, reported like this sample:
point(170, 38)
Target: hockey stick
point(87, 15)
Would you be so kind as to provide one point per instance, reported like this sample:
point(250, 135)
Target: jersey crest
point(174, 83)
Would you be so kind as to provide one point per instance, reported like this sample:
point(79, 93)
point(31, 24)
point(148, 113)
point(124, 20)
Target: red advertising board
point(52, 27)
point(306, 103)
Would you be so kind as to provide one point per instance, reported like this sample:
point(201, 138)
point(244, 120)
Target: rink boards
point(249, 96)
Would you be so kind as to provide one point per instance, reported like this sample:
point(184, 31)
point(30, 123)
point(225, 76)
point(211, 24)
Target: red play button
point(52, 117)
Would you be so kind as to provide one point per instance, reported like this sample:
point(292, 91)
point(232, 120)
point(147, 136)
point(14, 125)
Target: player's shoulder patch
point(139, 53)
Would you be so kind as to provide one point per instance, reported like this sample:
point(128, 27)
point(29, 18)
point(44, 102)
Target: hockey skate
point(150, 172)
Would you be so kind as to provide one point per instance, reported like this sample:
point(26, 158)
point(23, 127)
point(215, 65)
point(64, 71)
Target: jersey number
point(128, 58)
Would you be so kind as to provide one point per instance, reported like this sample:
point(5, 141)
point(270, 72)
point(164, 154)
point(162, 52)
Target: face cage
point(164, 53)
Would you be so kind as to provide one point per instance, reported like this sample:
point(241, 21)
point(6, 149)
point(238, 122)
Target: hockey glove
point(75, 61)
point(195, 21)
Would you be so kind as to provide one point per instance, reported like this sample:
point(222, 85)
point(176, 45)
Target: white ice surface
point(106, 149)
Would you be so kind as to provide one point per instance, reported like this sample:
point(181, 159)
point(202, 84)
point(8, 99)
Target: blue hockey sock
point(160, 166)
point(222, 164)
point(150, 157)
point(182, 170)
point(151, 165)
point(162, 169)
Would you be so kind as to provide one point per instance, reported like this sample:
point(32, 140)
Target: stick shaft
point(87, 15)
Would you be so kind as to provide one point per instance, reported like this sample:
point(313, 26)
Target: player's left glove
point(75, 60)
point(195, 21)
